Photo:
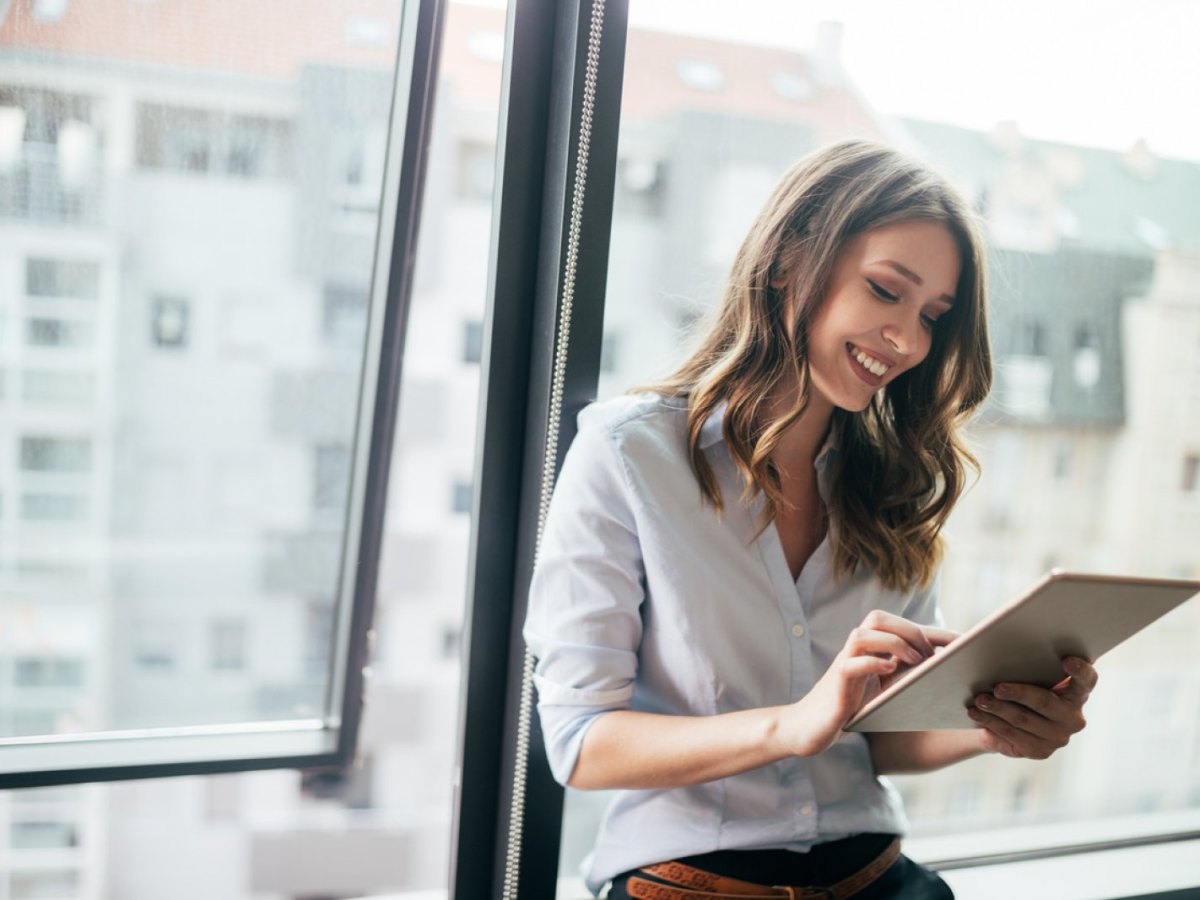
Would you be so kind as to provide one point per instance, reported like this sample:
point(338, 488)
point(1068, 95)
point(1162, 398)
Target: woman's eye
point(881, 292)
point(929, 322)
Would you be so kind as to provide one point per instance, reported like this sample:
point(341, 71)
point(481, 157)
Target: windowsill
point(1145, 871)
point(1100, 859)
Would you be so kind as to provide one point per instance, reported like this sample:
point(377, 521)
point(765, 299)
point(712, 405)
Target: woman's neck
point(798, 447)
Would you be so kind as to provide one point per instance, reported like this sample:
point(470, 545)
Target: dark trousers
point(824, 865)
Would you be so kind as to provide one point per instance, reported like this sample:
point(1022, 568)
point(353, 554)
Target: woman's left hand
point(1029, 722)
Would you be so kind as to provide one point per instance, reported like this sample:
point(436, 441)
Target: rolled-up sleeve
point(584, 622)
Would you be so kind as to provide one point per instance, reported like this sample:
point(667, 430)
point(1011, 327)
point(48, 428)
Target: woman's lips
point(868, 367)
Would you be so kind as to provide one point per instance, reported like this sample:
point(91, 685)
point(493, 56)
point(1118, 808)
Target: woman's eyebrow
point(913, 277)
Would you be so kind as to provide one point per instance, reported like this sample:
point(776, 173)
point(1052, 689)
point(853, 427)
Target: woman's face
point(889, 287)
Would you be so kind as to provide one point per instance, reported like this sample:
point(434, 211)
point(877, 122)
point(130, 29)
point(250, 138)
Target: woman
point(736, 560)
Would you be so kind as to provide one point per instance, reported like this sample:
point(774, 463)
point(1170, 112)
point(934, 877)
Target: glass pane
point(180, 392)
point(1089, 445)
point(383, 826)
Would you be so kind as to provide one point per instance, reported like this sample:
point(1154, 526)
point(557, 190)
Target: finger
point(939, 637)
point(856, 667)
point(865, 640)
point(1049, 705)
point(1083, 678)
point(1021, 718)
point(910, 632)
point(1022, 743)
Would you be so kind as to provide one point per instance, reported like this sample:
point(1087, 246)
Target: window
point(344, 323)
point(43, 835)
point(45, 884)
point(1080, 326)
point(472, 342)
point(132, 575)
point(48, 672)
point(44, 388)
point(461, 502)
point(332, 479)
point(62, 278)
point(49, 332)
point(228, 652)
point(210, 142)
point(1190, 483)
point(169, 322)
point(46, 507)
point(46, 454)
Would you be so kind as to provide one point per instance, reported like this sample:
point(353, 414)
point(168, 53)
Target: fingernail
point(984, 702)
point(973, 712)
point(1003, 690)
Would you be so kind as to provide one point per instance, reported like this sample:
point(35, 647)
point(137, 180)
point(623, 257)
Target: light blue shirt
point(643, 598)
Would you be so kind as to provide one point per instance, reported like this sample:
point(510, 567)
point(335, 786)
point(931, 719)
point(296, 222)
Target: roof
point(1132, 203)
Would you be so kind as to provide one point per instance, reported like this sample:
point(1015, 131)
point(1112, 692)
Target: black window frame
point(415, 79)
point(503, 846)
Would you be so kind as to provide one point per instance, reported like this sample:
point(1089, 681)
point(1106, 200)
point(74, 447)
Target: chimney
point(1006, 137)
point(1140, 160)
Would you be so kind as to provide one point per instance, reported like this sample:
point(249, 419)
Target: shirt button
point(797, 631)
point(807, 809)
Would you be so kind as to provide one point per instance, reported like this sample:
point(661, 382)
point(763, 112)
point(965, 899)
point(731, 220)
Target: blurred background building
point(187, 228)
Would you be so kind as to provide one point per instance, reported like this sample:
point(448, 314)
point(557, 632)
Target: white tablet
point(1064, 614)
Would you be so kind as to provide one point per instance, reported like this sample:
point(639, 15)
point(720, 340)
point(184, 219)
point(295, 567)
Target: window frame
point(499, 845)
point(331, 741)
point(503, 824)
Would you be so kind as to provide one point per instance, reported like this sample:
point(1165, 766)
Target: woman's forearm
point(638, 750)
point(906, 752)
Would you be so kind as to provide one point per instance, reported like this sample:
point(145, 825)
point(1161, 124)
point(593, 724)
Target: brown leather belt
point(676, 881)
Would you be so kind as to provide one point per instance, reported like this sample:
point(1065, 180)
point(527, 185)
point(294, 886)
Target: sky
point(1101, 73)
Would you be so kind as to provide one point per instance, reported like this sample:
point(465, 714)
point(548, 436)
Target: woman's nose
point(906, 335)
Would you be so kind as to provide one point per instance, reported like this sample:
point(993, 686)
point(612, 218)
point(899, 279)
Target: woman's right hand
point(878, 651)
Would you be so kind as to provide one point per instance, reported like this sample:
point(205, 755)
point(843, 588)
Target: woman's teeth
point(872, 365)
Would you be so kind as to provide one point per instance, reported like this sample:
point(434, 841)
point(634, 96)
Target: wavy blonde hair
point(901, 462)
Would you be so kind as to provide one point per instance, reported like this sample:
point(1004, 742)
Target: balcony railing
point(38, 187)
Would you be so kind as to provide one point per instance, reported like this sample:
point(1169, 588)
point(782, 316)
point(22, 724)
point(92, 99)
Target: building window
point(700, 74)
point(62, 278)
point(58, 388)
point(451, 642)
point(46, 454)
point(1064, 452)
point(610, 352)
point(318, 638)
point(53, 507)
point(47, 672)
point(49, 332)
point(344, 315)
point(44, 883)
point(472, 351)
point(332, 479)
point(204, 141)
point(1087, 356)
point(461, 500)
point(43, 835)
point(1190, 483)
point(228, 645)
point(1030, 338)
point(169, 322)
point(154, 645)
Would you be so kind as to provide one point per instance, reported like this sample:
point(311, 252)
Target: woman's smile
point(870, 365)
